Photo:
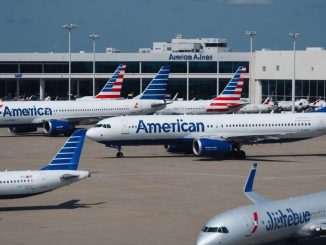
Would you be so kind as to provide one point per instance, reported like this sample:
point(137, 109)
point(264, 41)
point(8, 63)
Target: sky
point(36, 25)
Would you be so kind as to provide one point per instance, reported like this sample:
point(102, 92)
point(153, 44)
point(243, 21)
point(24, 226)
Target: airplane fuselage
point(170, 129)
point(295, 217)
point(19, 184)
point(36, 112)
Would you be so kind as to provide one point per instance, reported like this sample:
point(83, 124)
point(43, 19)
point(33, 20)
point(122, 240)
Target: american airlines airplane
point(266, 107)
point(112, 89)
point(228, 101)
point(60, 117)
point(61, 171)
point(208, 135)
point(266, 220)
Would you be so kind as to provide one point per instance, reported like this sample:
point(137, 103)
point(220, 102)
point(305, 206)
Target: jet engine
point(211, 147)
point(57, 127)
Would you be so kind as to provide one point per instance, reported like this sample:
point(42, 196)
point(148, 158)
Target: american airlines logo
point(190, 57)
point(32, 111)
point(178, 126)
point(283, 219)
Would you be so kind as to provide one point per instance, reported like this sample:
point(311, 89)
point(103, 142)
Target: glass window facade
point(202, 88)
point(28, 88)
point(81, 67)
point(282, 89)
point(130, 87)
point(9, 68)
point(202, 67)
point(154, 67)
point(110, 67)
point(31, 68)
point(7, 89)
point(56, 89)
point(232, 66)
point(56, 67)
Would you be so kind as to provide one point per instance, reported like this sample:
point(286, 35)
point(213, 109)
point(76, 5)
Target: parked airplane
point(267, 221)
point(319, 103)
point(60, 117)
point(228, 101)
point(299, 105)
point(112, 89)
point(208, 135)
point(266, 107)
point(61, 171)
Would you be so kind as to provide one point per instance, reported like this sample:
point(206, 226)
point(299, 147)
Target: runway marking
point(218, 175)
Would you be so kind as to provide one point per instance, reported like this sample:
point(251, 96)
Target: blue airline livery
point(208, 135)
point(266, 220)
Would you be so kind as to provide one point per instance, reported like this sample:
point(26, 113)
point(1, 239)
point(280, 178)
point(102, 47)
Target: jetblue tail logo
point(68, 156)
point(230, 96)
point(157, 87)
point(112, 88)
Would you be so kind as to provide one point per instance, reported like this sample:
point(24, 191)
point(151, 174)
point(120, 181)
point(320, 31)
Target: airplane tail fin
point(248, 187)
point(68, 156)
point(112, 88)
point(156, 89)
point(230, 96)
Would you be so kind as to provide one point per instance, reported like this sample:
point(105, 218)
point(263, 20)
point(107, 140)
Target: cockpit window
point(98, 125)
point(215, 229)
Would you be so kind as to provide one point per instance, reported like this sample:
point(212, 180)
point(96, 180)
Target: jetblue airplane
point(61, 171)
point(112, 89)
point(227, 102)
point(266, 220)
point(208, 135)
point(60, 117)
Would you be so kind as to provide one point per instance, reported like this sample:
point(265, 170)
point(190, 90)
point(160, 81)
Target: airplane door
point(125, 127)
point(246, 225)
point(320, 124)
point(44, 183)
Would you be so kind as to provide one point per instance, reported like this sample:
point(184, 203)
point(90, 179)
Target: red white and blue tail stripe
point(229, 99)
point(112, 88)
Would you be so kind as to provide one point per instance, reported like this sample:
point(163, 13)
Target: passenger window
point(225, 230)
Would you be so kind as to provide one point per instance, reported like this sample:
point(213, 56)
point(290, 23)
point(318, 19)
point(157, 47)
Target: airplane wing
point(316, 228)
point(247, 138)
point(248, 187)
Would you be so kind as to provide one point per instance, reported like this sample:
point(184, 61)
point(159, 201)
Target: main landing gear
point(237, 153)
point(119, 153)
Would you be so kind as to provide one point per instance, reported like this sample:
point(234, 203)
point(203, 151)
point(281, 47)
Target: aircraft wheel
point(119, 154)
point(241, 155)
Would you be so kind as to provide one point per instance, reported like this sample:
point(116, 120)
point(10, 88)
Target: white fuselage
point(17, 184)
point(296, 217)
point(255, 108)
point(36, 112)
point(194, 107)
point(242, 128)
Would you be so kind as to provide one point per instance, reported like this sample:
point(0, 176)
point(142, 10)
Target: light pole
point(94, 37)
point(69, 27)
point(294, 36)
point(251, 35)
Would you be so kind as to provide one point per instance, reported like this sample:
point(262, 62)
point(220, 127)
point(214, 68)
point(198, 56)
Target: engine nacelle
point(22, 129)
point(57, 127)
point(211, 147)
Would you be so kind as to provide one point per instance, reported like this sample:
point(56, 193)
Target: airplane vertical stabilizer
point(68, 156)
point(112, 88)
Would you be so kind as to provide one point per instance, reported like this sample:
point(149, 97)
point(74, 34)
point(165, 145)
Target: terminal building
point(200, 69)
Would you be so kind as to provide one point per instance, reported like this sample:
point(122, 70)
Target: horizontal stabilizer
point(248, 188)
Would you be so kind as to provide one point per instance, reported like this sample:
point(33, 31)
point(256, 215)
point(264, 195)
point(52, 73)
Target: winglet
point(250, 180)
point(248, 187)
point(156, 89)
point(68, 156)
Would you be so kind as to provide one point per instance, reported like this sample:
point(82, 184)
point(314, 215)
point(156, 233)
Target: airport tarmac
point(149, 196)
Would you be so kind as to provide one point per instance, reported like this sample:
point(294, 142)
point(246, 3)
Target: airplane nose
point(205, 239)
point(92, 134)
